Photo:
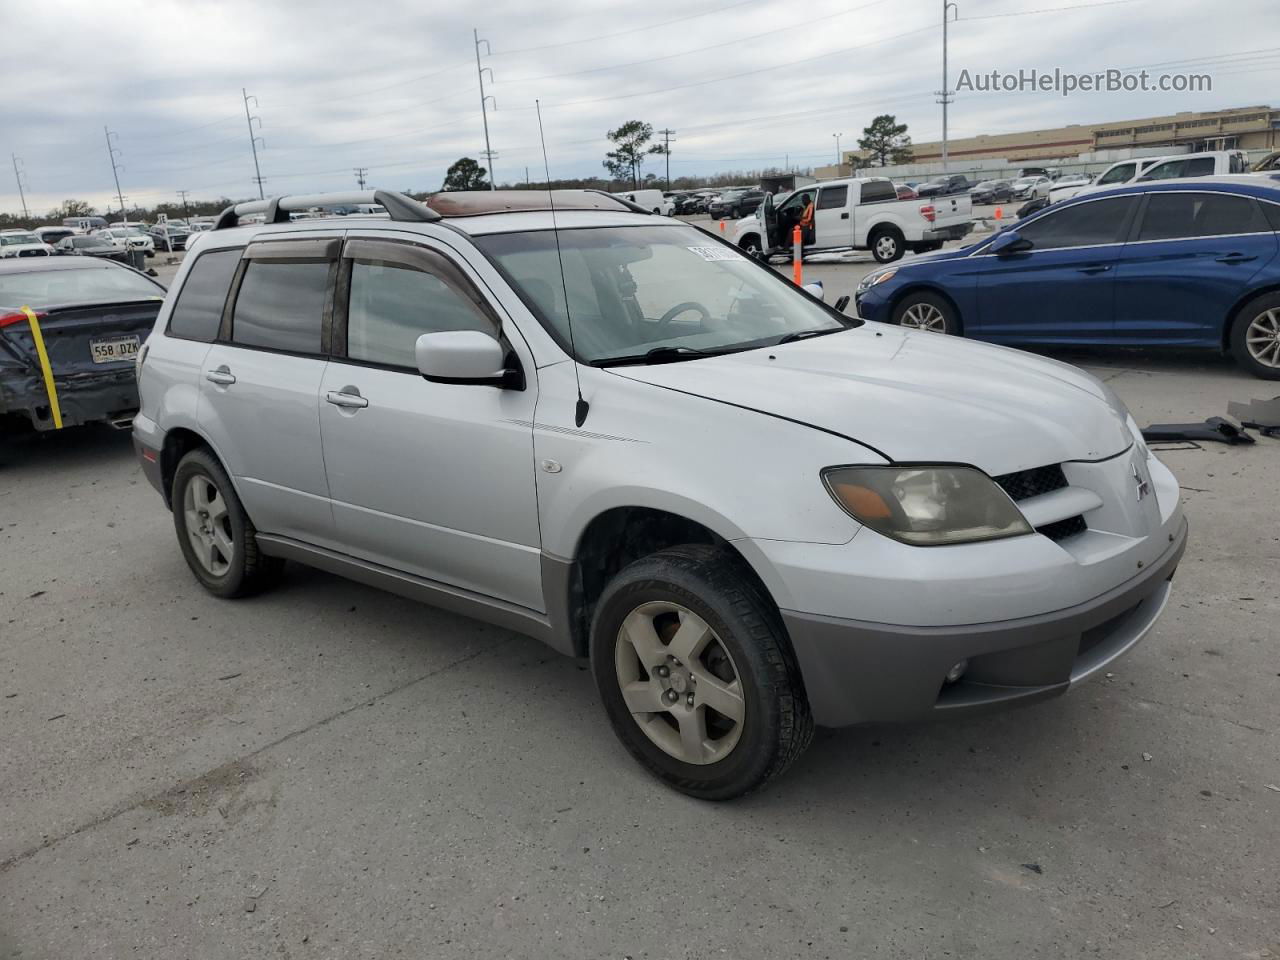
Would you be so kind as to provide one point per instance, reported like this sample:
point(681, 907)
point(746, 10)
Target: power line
point(254, 140)
point(1027, 13)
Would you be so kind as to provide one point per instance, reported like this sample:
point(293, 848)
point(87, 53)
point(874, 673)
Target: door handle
point(1094, 268)
point(845, 215)
point(344, 399)
point(1235, 258)
point(221, 376)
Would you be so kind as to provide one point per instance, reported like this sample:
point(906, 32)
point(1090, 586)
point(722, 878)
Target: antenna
point(579, 411)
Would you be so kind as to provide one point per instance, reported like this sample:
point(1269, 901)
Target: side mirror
point(462, 356)
point(815, 290)
point(1009, 242)
point(841, 303)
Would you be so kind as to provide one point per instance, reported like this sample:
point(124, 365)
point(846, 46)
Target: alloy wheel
point(1263, 338)
point(679, 682)
point(924, 316)
point(208, 525)
point(886, 247)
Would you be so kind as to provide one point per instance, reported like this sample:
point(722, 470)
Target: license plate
point(119, 348)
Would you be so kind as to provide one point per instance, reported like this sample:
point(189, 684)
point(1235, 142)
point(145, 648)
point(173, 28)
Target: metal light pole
point(484, 114)
point(837, 136)
point(944, 95)
point(112, 152)
point(253, 141)
point(21, 196)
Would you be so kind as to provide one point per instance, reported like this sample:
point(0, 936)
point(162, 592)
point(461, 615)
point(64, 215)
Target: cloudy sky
point(391, 84)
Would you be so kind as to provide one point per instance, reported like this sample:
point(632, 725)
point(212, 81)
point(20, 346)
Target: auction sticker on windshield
point(717, 253)
point(117, 348)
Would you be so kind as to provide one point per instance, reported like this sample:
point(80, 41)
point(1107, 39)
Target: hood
point(916, 396)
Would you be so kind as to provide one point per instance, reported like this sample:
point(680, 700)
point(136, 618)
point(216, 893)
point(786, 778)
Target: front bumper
point(861, 672)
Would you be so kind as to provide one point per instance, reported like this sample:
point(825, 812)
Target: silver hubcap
point(924, 316)
point(1263, 338)
point(208, 525)
point(679, 682)
point(886, 246)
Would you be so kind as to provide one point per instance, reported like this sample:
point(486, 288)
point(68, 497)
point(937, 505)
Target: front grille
point(1031, 483)
point(1059, 530)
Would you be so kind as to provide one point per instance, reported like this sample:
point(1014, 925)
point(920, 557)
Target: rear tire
point(1255, 336)
point(886, 245)
point(926, 311)
point(217, 538)
point(730, 713)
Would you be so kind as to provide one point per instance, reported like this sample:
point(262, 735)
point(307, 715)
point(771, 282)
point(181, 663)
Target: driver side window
point(1118, 174)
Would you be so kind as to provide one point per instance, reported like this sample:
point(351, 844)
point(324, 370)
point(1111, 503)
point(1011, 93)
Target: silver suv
point(622, 436)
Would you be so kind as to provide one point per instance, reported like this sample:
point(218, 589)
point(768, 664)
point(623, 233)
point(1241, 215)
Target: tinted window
point(1272, 212)
point(281, 305)
point(198, 311)
point(877, 190)
point(1118, 174)
point(392, 305)
point(1199, 167)
point(829, 198)
point(1171, 216)
point(1083, 224)
point(1168, 170)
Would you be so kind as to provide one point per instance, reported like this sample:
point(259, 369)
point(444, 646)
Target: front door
point(1191, 258)
point(260, 381)
point(1061, 289)
point(433, 479)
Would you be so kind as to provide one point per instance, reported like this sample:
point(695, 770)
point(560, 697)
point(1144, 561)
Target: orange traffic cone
point(722, 226)
point(999, 213)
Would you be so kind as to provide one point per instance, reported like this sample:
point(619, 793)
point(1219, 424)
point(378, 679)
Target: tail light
point(9, 319)
point(928, 212)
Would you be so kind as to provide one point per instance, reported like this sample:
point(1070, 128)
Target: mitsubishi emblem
point(1144, 485)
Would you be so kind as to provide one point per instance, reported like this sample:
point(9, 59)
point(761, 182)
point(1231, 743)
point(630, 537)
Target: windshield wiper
point(656, 355)
point(806, 334)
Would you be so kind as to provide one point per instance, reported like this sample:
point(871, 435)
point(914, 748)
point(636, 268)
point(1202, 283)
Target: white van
point(652, 200)
point(1211, 163)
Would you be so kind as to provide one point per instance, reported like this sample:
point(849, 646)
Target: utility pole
point(112, 153)
point(666, 149)
point(944, 95)
point(484, 101)
point(837, 136)
point(527, 184)
point(21, 196)
point(253, 140)
point(186, 211)
point(360, 172)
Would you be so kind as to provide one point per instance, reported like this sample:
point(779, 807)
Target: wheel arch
point(1237, 309)
point(900, 295)
point(620, 535)
point(178, 442)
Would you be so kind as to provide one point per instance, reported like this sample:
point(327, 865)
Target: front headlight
point(926, 506)
point(871, 279)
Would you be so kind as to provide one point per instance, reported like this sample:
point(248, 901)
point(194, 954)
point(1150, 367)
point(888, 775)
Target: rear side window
point(877, 190)
point(198, 312)
point(1198, 167)
point(830, 198)
point(280, 305)
point(1117, 174)
point(1165, 171)
point(1176, 216)
point(1081, 225)
point(393, 304)
point(1272, 212)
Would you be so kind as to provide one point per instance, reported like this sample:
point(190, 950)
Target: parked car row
point(1180, 262)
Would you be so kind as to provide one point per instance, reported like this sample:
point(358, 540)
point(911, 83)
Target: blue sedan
point(1186, 263)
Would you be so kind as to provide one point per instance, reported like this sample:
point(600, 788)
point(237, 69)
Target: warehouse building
point(1088, 146)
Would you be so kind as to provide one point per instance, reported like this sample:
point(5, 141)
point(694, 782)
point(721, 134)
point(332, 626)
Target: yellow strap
point(44, 367)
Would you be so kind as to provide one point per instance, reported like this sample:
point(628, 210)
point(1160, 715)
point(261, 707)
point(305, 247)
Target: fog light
point(956, 672)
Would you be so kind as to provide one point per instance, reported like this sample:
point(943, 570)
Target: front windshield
point(634, 289)
point(98, 283)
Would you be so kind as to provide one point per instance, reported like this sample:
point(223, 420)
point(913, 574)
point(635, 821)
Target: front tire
point(927, 311)
point(1255, 336)
point(217, 538)
point(886, 246)
point(697, 675)
point(750, 245)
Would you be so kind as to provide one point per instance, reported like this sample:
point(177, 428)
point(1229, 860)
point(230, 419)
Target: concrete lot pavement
point(331, 771)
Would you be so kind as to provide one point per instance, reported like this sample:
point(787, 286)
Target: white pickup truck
point(858, 213)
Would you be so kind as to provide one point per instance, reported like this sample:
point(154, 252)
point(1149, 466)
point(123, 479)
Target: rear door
point(832, 221)
point(434, 479)
point(1190, 258)
point(260, 383)
point(1061, 290)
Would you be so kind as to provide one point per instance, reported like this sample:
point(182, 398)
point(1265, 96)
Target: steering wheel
point(680, 308)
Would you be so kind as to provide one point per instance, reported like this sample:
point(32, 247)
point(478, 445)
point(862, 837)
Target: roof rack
point(277, 209)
